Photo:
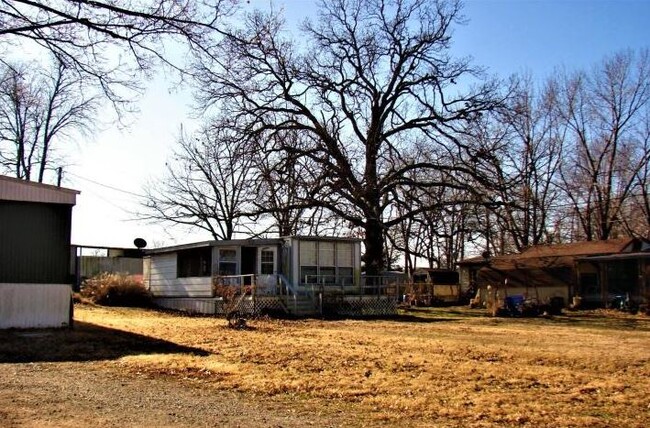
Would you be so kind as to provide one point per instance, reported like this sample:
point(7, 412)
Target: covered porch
point(295, 275)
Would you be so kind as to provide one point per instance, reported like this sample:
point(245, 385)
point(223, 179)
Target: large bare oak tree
point(368, 80)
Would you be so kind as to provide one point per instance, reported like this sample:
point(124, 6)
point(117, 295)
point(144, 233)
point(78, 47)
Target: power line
point(105, 185)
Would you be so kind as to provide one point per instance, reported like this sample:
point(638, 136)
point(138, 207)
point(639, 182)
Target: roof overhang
point(615, 257)
point(13, 189)
point(253, 242)
point(225, 243)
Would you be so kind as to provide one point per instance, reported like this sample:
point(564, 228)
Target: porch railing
point(237, 284)
point(369, 285)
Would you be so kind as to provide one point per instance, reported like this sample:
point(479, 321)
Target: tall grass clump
point(110, 289)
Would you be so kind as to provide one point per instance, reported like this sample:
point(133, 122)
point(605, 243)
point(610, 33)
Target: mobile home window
point(194, 262)
point(345, 262)
point(308, 274)
point(267, 263)
point(346, 276)
point(308, 262)
point(327, 266)
point(344, 254)
point(227, 262)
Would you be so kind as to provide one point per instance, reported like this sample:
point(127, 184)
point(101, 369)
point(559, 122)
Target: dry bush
point(111, 289)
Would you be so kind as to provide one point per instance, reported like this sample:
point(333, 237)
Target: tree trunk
point(374, 243)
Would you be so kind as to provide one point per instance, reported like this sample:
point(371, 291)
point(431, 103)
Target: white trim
point(275, 259)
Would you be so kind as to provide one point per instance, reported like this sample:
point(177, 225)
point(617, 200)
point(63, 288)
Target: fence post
point(320, 303)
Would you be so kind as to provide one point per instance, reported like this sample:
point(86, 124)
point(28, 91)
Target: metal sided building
point(35, 254)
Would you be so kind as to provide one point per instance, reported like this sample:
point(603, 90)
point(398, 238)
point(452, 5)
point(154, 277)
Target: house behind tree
point(595, 272)
point(300, 275)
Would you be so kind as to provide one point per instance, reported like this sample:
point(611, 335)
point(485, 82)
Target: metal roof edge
point(257, 242)
point(15, 189)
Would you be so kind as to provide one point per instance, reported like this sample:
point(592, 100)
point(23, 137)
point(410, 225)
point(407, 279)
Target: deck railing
point(369, 285)
point(231, 287)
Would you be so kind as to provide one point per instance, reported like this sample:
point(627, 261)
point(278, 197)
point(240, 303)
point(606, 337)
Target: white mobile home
point(297, 275)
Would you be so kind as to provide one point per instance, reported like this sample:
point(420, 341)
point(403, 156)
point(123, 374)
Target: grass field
point(433, 367)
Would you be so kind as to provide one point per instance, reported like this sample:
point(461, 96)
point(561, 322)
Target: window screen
point(344, 254)
point(326, 254)
point(267, 262)
point(346, 276)
point(227, 262)
point(308, 274)
point(308, 253)
point(194, 262)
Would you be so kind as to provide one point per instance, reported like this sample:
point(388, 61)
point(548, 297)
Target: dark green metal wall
point(34, 242)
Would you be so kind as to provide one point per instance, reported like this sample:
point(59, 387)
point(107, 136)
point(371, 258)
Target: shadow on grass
point(411, 318)
point(84, 342)
point(403, 316)
point(447, 311)
point(595, 319)
point(605, 321)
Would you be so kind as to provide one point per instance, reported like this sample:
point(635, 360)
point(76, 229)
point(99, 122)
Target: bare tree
point(529, 163)
point(375, 79)
point(438, 234)
point(636, 213)
point(38, 109)
point(208, 184)
point(603, 111)
point(283, 185)
point(112, 41)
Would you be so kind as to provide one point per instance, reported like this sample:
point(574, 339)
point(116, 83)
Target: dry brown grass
point(438, 368)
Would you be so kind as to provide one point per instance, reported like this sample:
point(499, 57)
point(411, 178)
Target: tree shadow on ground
point(411, 318)
point(606, 320)
point(598, 319)
point(84, 342)
point(404, 317)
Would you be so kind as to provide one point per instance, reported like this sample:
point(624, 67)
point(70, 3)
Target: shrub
point(115, 290)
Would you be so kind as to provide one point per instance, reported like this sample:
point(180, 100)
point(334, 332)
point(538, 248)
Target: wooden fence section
point(91, 265)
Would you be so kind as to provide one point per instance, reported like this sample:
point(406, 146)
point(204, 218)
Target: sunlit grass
point(452, 368)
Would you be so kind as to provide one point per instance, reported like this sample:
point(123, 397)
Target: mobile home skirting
point(35, 305)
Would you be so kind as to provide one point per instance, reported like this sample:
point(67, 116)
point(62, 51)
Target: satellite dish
point(139, 243)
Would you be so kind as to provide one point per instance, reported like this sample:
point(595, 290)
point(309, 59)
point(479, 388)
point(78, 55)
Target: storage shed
point(35, 254)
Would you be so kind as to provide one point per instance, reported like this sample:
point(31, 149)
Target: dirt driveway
point(71, 378)
point(78, 395)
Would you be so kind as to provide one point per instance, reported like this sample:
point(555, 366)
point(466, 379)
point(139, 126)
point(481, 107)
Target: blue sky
point(506, 36)
point(512, 36)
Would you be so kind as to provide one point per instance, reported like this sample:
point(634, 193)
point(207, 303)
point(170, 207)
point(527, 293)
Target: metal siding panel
point(202, 306)
point(146, 272)
point(35, 305)
point(163, 280)
point(34, 242)
point(183, 287)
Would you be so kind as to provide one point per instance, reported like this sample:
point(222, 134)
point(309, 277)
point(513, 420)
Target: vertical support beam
point(604, 284)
